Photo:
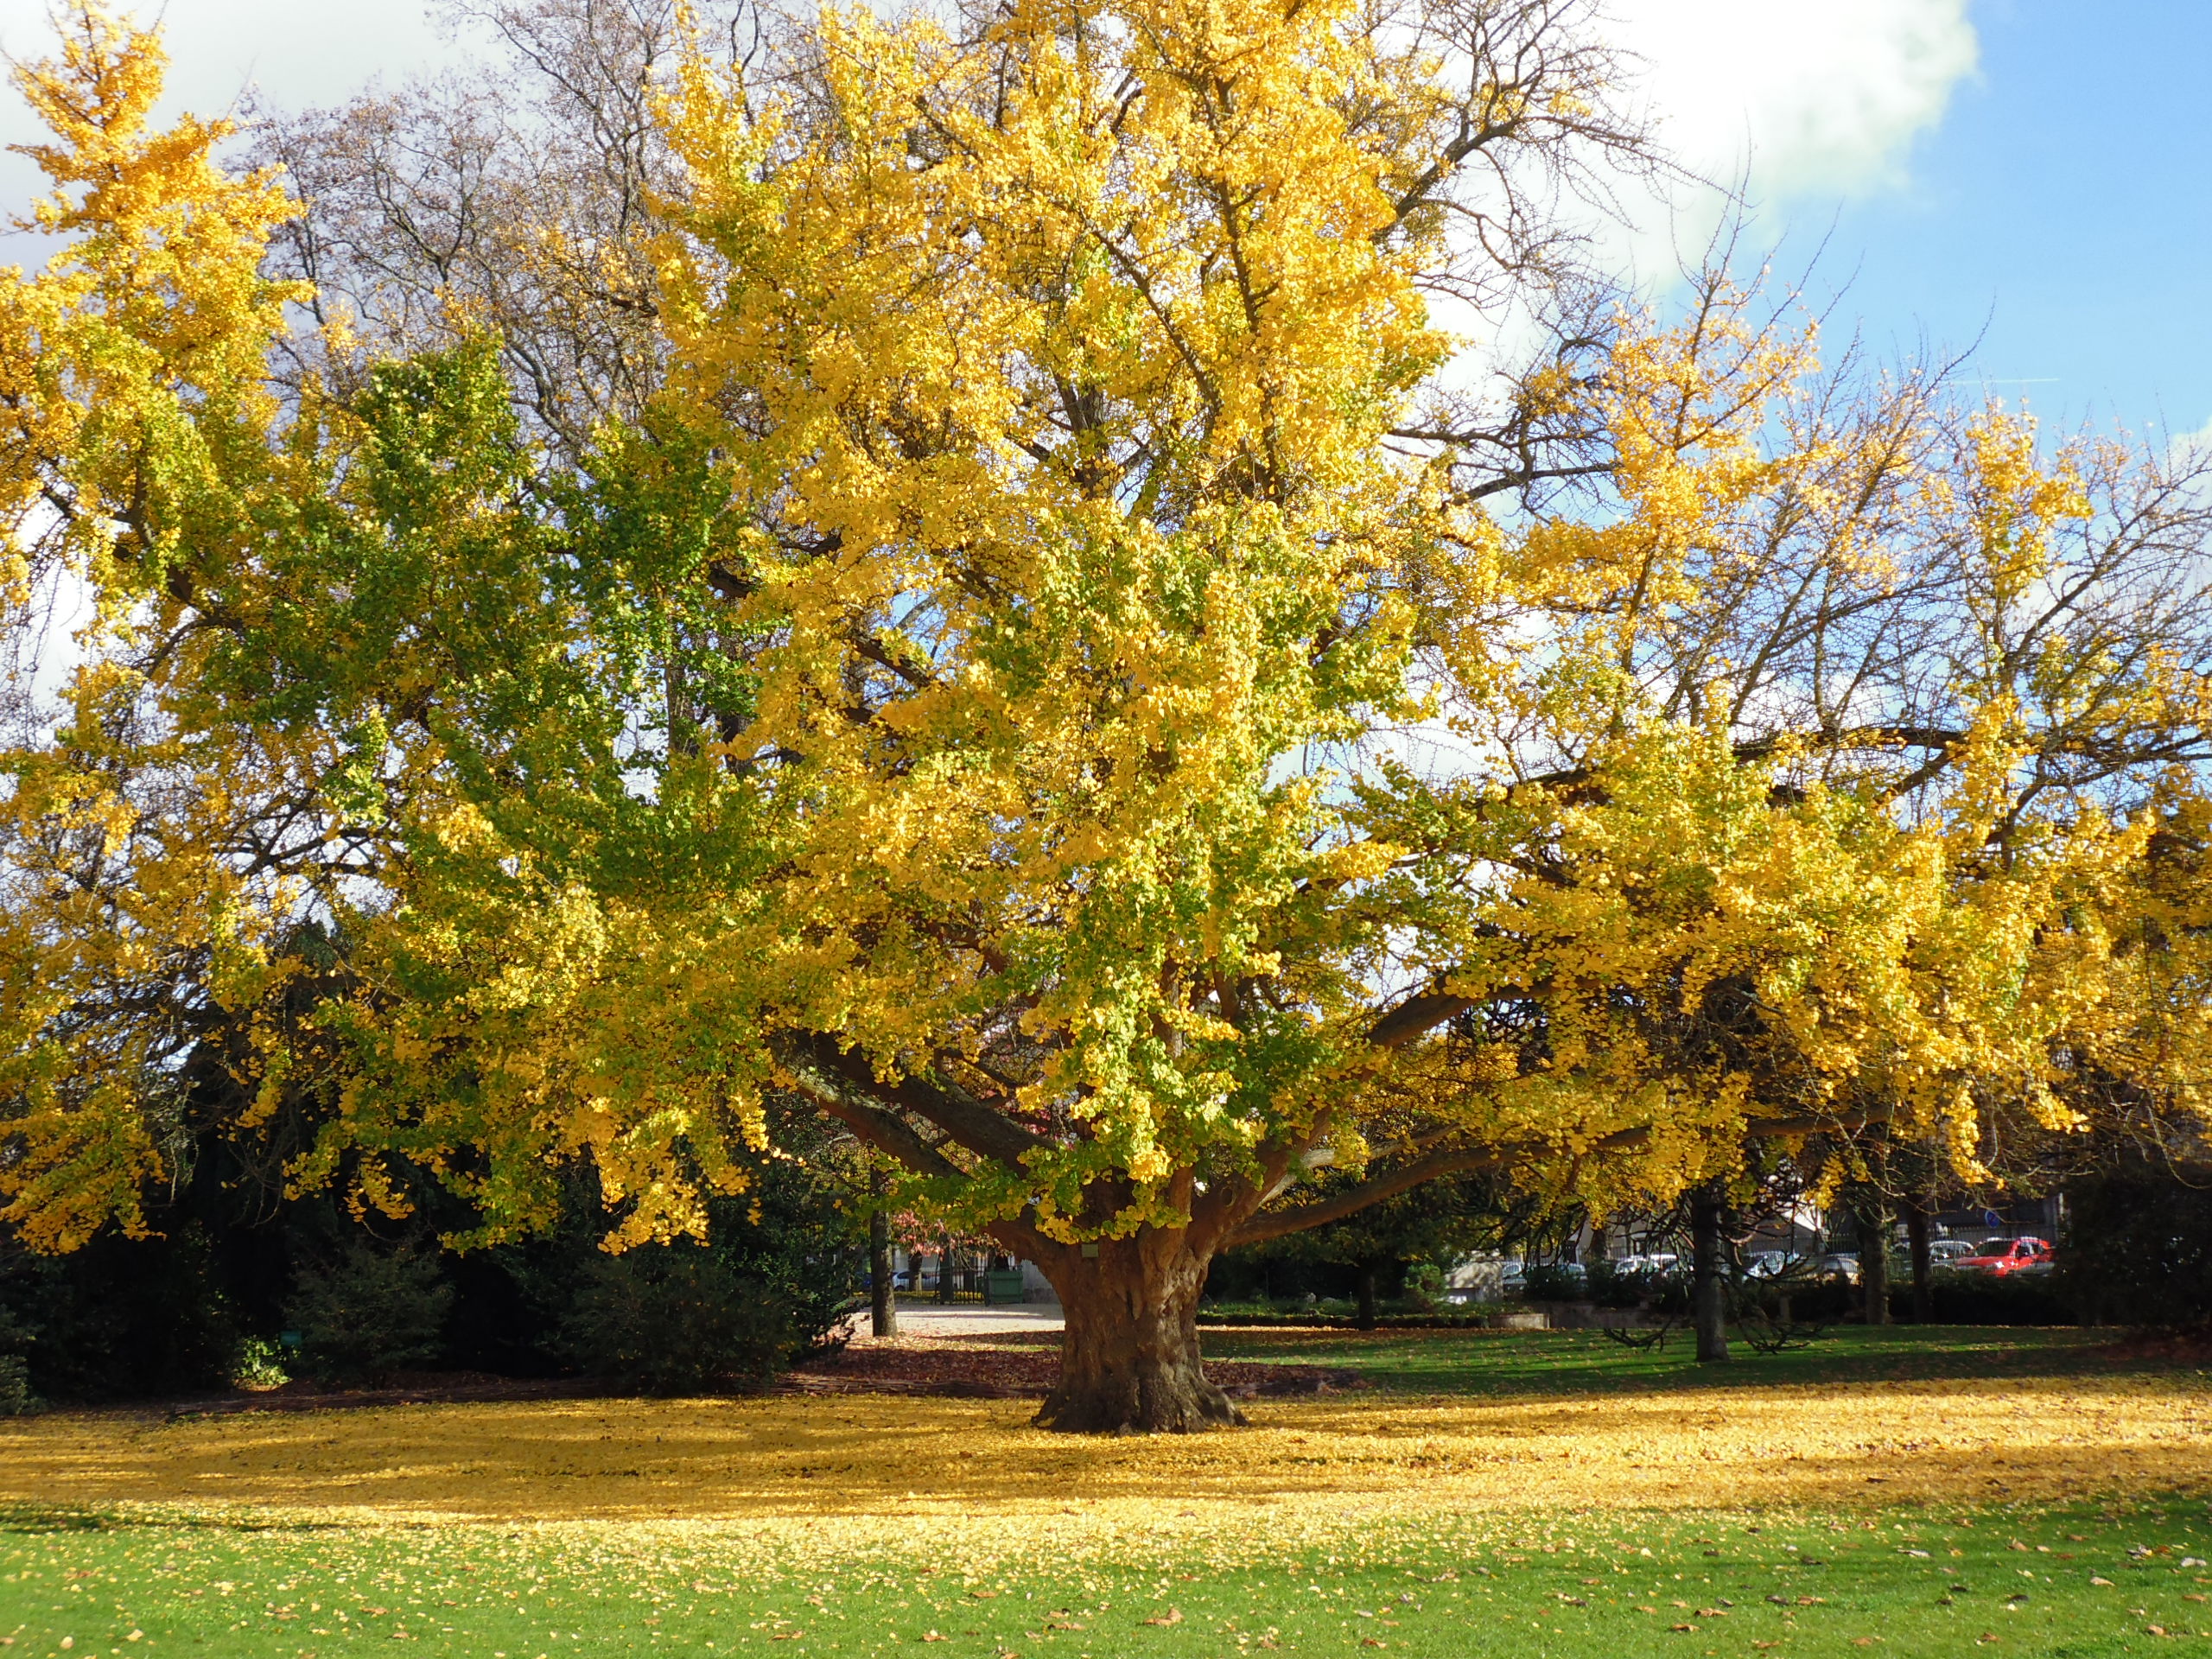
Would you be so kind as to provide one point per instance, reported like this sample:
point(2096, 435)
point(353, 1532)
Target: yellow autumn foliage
point(136, 466)
point(977, 697)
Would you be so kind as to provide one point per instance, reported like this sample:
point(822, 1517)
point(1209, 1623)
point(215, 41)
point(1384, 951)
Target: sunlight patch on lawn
point(872, 1463)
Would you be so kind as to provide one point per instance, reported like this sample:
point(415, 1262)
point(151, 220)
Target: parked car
point(2005, 1256)
point(1837, 1265)
point(1949, 1252)
point(1772, 1264)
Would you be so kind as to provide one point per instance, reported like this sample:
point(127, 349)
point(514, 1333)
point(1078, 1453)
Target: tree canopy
point(1034, 648)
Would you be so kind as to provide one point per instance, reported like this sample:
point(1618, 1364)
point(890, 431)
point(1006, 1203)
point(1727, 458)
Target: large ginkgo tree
point(1053, 677)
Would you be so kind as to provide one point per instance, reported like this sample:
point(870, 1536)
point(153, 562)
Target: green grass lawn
point(1587, 1361)
point(2068, 1582)
point(2099, 1574)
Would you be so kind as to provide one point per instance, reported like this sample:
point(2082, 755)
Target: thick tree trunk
point(1368, 1272)
point(1872, 1217)
point(883, 1295)
point(944, 1282)
point(1708, 1287)
point(1129, 1357)
point(1915, 1225)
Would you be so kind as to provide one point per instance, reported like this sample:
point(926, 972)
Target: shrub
point(260, 1365)
point(1551, 1282)
point(118, 1318)
point(1800, 1297)
point(2138, 1248)
point(364, 1312)
point(1424, 1291)
point(15, 1395)
point(1956, 1298)
point(674, 1319)
point(1606, 1285)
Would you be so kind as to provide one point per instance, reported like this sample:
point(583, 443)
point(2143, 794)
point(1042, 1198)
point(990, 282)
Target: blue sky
point(2061, 211)
point(2030, 173)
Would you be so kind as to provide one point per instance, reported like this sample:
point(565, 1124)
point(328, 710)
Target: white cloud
point(1789, 100)
point(1807, 97)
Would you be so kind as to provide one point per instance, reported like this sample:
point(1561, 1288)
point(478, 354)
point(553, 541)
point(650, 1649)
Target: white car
point(1946, 1252)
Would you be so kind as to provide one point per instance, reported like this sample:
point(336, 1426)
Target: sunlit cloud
point(1783, 102)
point(1800, 98)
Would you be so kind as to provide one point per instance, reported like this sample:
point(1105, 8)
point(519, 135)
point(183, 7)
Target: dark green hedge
point(1985, 1298)
point(2138, 1248)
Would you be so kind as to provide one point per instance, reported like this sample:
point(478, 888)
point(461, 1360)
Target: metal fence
point(929, 1282)
point(966, 1285)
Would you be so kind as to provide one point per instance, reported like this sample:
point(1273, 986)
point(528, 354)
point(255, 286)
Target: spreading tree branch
point(1466, 1160)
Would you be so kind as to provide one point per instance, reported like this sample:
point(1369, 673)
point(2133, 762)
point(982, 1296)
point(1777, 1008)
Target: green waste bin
point(1003, 1285)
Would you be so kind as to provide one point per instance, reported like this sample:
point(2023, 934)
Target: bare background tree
point(516, 199)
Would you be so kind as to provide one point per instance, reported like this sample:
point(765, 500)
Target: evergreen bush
point(120, 1319)
point(15, 1395)
point(1975, 1297)
point(676, 1318)
point(1424, 1288)
point(364, 1312)
point(260, 1365)
point(2138, 1248)
point(1551, 1282)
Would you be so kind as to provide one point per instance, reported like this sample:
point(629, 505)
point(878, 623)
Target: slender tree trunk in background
point(1915, 1223)
point(1872, 1217)
point(1708, 1278)
point(1368, 1272)
point(944, 1271)
point(1129, 1357)
point(883, 1295)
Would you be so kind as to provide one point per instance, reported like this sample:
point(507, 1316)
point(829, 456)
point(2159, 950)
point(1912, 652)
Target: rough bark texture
point(883, 1295)
point(1129, 1358)
point(1709, 1289)
point(1872, 1217)
point(1915, 1225)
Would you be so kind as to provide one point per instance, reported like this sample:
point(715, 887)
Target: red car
point(2003, 1256)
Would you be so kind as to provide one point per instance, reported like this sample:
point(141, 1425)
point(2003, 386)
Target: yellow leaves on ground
point(876, 1463)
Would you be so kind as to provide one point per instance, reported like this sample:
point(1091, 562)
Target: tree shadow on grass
point(17, 1518)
